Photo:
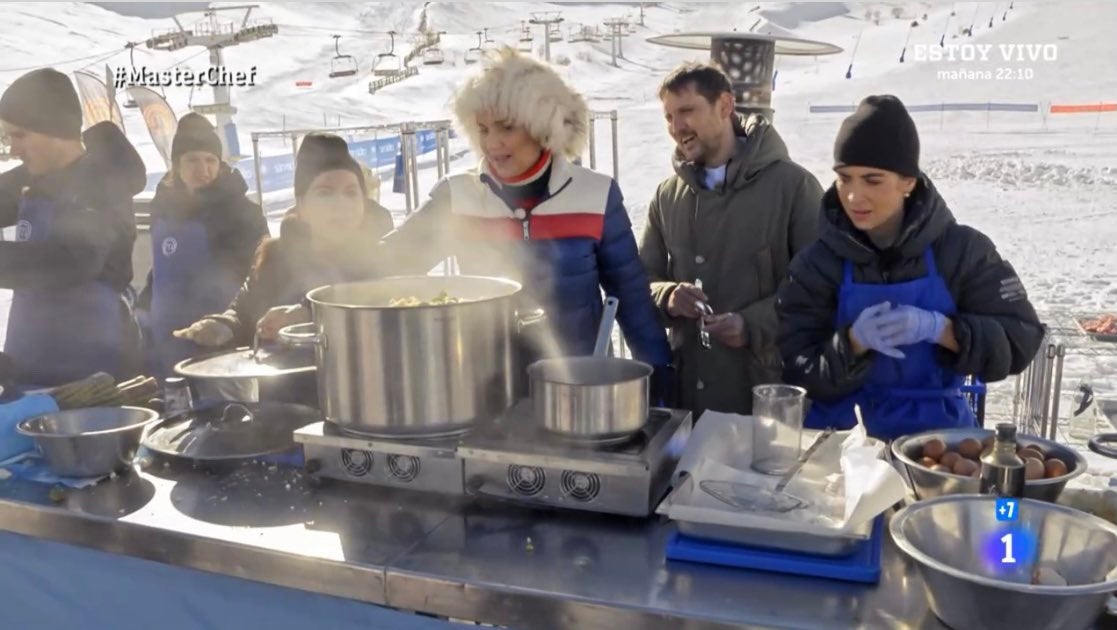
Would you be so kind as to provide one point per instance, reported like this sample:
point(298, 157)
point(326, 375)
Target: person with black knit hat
point(897, 303)
point(70, 267)
point(204, 234)
point(327, 237)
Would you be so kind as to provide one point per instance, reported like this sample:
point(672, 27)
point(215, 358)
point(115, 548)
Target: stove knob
point(312, 466)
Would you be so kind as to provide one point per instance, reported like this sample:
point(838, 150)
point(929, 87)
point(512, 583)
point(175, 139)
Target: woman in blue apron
point(204, 234)
point(897, 303)
point(71, 261)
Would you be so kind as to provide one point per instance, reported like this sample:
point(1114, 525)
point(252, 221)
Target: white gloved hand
point(206, 332)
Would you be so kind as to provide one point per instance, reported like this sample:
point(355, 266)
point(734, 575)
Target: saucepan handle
point(302, 335)
point(528, 319)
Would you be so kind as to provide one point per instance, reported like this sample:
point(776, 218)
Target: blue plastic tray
point(863, 565)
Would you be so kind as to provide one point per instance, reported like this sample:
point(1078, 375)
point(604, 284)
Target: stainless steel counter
point(485, 561)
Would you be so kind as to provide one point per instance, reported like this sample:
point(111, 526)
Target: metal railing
point(406, 132)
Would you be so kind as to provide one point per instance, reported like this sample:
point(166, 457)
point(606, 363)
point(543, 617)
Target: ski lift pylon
point(342, 65)
point(130, 102)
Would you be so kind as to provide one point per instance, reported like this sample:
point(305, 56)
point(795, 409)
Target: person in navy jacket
point(70, 265)
point(527, 212)
point(204, 235)
point(897, 302)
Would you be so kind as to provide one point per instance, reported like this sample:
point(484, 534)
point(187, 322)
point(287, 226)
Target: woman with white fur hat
point(527, 212)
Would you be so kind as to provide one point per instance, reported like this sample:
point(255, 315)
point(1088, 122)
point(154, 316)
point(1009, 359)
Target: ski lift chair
point(342, 65)
point(526, 43)
point(388, 64)
point(473, 55)
point(433, 56)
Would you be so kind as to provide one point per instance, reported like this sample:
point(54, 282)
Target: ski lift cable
point(62, 62)
point(201, 52)
point(100, 60)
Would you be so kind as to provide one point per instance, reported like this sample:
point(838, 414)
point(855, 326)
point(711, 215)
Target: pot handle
point(230, 413)
point(528, 319)
point(302, 335)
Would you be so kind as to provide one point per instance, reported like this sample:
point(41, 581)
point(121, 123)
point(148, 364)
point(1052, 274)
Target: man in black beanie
point(71, 262)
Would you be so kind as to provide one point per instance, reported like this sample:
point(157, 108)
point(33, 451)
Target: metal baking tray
point(767, 535)
point(1092, 335)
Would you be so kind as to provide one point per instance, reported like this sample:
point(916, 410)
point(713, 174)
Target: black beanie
point(194, 133)
point(43, 101)
point(321, 152)
point(880, 134)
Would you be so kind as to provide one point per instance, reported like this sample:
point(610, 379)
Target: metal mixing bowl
point(88, 442)
point(928, 484)
point(967, 585)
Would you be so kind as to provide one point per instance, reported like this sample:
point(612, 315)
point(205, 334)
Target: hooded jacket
point(234, 224)
point(996, 327)
point(286, 268)
point(739, 240)
point(96, 224)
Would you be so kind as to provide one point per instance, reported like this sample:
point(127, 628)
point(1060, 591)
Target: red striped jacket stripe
point(542, 227)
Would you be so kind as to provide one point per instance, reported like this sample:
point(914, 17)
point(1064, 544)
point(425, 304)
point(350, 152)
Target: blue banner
point(278, 171)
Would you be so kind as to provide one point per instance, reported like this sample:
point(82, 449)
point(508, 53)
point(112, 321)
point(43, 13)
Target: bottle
point(1002, 472)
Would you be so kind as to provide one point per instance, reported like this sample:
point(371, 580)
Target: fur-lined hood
point(530, 93)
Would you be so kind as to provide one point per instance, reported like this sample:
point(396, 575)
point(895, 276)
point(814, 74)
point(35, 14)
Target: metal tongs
point(256, 347)
point(703, 336)
point(757, 499)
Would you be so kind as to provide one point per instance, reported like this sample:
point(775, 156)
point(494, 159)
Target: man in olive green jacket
point(720, 234)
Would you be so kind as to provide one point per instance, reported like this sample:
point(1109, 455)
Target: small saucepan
point(595, 398)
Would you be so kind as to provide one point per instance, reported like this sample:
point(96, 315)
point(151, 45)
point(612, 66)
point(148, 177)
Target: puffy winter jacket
point(577, 241)
point(996, 327)
point(89, 245)
point(286, 268)
point(71, 263)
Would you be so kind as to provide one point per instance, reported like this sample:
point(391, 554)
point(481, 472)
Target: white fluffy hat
point(529, 93)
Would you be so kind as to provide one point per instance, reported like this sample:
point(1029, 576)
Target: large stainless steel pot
point(591, 398)
point(419, 371)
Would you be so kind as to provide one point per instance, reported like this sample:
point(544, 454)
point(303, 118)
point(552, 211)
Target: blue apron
point(187, 284)
point(899, 396)
point(61, 335)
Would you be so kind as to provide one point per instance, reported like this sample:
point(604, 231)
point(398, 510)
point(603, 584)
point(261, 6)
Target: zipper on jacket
point(526, 223)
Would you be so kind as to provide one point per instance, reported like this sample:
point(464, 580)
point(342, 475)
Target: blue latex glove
point(907, 325)
point(663, 386)
point(868, 330)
